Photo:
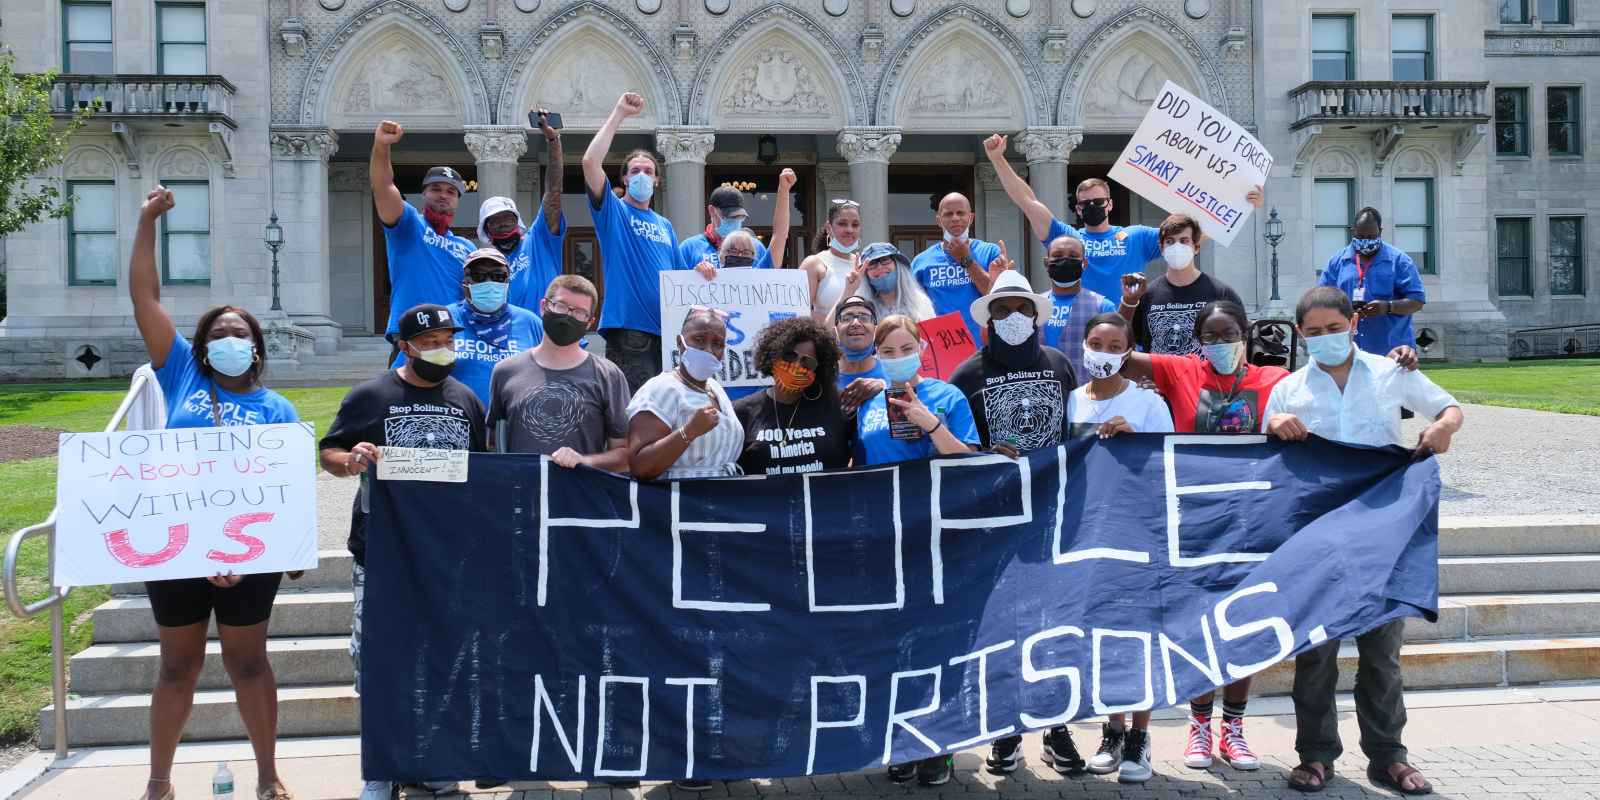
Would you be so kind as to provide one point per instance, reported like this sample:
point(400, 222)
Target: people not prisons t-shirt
point(1110, 254)
point(487, 339)
point(188, 395)
point(544, 409)
point(698, 248)
point(1164, 321)
point(810, 436)
point(536, 262)
point(1069, 316)
point(424, 267)
point(947, 283)
point(636, 244)
point(874, 445)
point(1026, 407)
point(1144, 410)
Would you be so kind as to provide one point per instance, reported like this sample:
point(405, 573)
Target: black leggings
point(186, 601)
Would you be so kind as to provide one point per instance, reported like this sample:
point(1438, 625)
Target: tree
point(30, 145)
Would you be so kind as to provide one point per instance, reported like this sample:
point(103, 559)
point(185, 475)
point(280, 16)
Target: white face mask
point(1102, 365)
point(440, 356)
point(1014, 329)
point(949, 237)
point(1177, 255)
point(844, 248)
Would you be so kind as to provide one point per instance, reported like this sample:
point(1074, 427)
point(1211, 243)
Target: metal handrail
point(58, 594)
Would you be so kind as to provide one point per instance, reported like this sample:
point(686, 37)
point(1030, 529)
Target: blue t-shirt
point(698, 248)
point(874, 445)
point(947, 283)
point(486, 340)
point(535, 263)
point(1392, 275)
point(424, 267)
point(188, 395)
point(636, 244)
point(876, 372)
point(1109, 255)
point(1069, 315)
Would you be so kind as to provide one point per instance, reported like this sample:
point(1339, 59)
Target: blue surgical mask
point(902, 369)
point(729, 225)
point(488, 297)
point(641, 187)
point(844, 248)
point(1329, 349)
point(231, 356)
point(885, 283)
point(1224, 356)
point(852, 354)
point(1366, 247)
point(700, 364)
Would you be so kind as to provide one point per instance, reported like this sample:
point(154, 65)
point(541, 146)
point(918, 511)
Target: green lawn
point(1570, 386)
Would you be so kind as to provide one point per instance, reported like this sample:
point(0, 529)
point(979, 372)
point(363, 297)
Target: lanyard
point(1215, 417)
point(1361, 271)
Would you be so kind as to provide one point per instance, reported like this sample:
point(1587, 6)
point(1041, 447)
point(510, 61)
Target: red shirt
point(1204, 402)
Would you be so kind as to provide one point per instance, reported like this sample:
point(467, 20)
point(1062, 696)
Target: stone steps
point(1521, 573)
point(125, 718)
point(296, 614)
point(104, 669)
point(1519, 535)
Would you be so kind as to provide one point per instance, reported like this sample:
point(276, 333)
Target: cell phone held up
point(552, 118)
point(900, 426)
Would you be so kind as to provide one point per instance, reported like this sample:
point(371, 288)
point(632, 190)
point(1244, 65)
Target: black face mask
point(1092, 213)
point(738, 261)
point(427, 370)
point(562, 329)
point(508, 244)
point(1067, 269)
point(1012, 356)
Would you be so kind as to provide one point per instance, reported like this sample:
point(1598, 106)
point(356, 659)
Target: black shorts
point(190, 600)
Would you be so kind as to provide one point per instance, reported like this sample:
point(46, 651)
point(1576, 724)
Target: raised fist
point(786, 180)
point(388, 133)
point(159, 201)
point(994, 144)
point(630, 104)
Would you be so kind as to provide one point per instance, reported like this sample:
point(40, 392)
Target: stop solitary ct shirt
point(487, 339)
point(424, 267)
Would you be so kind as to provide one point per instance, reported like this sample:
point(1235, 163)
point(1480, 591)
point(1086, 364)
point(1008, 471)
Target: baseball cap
point(881, 250)
point(729, 201)
point(445, 175)
point(487, 254)
point(424, 317)
point(851, 302)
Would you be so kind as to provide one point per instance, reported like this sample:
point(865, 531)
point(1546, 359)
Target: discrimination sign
point(751, 298)
point(185, 503)
point(1190, 159)
point(592, 626)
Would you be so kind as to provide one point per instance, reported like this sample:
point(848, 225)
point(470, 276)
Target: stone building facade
point(883, 101)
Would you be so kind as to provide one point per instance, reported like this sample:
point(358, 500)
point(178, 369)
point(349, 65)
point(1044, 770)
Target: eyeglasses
point(483, 277)
point(792, 357)
point(579, 314)
point(839, 201)
point(862, 317)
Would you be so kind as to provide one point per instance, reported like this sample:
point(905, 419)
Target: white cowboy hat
point(1011, 283)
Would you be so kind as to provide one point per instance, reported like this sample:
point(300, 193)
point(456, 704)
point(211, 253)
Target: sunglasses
point(792, 357)
point(715, 312)
point(1099, 202)
point(500, 276)
point(839, 201)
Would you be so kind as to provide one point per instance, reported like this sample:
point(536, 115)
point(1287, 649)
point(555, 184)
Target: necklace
point(783, 430)
point(684, 379)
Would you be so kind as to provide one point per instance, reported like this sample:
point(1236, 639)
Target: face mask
point(852, 354)
point(562, 329)
point(844, 248)
point(438, 221)
point(1224, 356)
point(1177, 255)
point(434, 365)
point(507, 245)
point(231, 356)
point(738, 261)
point(488, 297)
point(1366, 247)
point(1014, 329)
point(792, 377)
point(902, 369)
point(1065, 272)
point(728, 225)
point(885, 283)
point(1092, 215)
point(700, 364)
point(949, 237)
point(1329, 349)
point(1013, 341)
point(641, 187)
point(1102, 365)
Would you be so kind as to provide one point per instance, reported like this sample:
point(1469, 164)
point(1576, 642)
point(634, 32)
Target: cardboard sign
point(185, 503)
point(422, 464)
point(1190, 159)
point(946, 342)
point(752, 299)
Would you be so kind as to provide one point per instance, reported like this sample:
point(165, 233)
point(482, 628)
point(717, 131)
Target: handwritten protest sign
point(946, 342)
point(422, 464)
point(752, 299)
point(1190, 159)
point(185, 503)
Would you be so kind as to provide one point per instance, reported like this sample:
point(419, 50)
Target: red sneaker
point(1198, 754)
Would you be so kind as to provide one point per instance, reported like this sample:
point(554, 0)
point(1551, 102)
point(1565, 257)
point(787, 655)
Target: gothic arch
point(963, 26)
point(551, 66)
point(418, 52)
point(823, 77)
point(1136, 47)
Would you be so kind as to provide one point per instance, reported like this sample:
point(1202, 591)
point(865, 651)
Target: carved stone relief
point(1335, 163)
point(868, 144)
point(959, 78)
point(415, 55)
point(1111, 81)
point(584, 78)
point(185, 162)
point(1126, 85)
point(347, 177)
point(961, 57)
point(90, 163)
point(1414, 162)
point(776, 81)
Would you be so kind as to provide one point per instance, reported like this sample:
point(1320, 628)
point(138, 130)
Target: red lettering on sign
point(123, 551)
point(234, 530)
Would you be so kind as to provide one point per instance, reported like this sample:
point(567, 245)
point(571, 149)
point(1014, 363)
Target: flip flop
point(1381, 777)
point(1322, 776)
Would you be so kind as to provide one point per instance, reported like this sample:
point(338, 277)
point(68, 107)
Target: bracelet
point(935, 429)
point(1126, 304)
point(684, 435)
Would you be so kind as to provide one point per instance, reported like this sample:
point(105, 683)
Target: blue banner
point(538, 622)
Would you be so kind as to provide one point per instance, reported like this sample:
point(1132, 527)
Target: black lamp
point(767, 149)
point(1274, 235)
point(274, 239)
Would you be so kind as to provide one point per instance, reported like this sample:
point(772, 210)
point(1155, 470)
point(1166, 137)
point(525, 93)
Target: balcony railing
point(1389, 102)
point(199, 97)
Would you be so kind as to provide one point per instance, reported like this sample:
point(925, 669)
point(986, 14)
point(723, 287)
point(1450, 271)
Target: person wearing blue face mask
point(1383, 284)
point(882, 275)
point(726, 214)
point(860, 374)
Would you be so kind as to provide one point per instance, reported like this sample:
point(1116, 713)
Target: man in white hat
point(534, 254)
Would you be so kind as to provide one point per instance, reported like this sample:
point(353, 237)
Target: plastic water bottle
point(222, 783)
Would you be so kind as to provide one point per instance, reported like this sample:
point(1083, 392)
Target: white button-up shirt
point(1368, 410)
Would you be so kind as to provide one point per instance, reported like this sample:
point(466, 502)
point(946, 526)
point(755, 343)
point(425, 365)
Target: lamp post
point(274, 239)
point(1274, 235)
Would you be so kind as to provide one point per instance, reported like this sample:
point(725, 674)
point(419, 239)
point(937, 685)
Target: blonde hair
point(739, 235)
point(896, 322)
point(1090, 183)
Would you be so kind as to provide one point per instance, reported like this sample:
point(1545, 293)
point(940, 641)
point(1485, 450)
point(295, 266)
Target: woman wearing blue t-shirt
point(213, 381)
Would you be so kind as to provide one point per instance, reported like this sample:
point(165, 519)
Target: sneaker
point(1109, 755)
point(379, 790)
point(1198, 754)
point(903, 773)
point(488, 783)
point(693, 785)
point(1135, 767)
point(935, 771)
point(1005, 755)
point(621, 783)
point(1235, 750)
point(1061, 753)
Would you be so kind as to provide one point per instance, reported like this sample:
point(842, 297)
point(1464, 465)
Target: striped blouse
point(672, 401)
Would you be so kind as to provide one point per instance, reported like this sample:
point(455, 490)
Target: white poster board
point(185, 503)
point(1190, 159)
point(752, 298)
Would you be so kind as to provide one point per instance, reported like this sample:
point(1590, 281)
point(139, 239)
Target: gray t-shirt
point(548, 409)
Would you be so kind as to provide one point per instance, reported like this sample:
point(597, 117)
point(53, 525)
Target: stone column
point(833, 181)
point(496, 148)
point(868, 151)
point(1048, 151)
point(997, 220)
point(685, 150)
point(300, 156)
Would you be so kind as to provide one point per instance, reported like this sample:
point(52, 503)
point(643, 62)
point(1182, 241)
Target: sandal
point(274, 792)
point(1316, 778)
point(1381, 776)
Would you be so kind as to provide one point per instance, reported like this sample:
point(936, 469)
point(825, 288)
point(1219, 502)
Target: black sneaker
point(1005, 755)
point(622, 783)
point(692, 785)
point(1135, 766)
point(488, 783)
point(935, 771)
point(1061, 753)
point(1109, 757)
point(903, 773)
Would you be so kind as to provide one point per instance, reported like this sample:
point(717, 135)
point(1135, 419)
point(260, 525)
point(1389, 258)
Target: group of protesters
point(490, 354)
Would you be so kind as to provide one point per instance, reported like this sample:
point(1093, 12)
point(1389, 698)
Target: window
point(1333, 48)
point(1512, 250)
point(1413, 221)
point(1550, 11)
point(186, 234)
point(1411, 48)
point(86, 48)
point(1566, 255)
point(92, 255)
point(180, 39)
point(1335, 207)
point(1562, 111)
point(1511, 122)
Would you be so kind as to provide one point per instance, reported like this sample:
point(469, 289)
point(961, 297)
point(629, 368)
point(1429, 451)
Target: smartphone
point(900, 426)
point(551, 117)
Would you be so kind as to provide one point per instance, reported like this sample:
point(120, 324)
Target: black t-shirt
point(1026, 407)
point(1164, 321)
point(779, 439)
point(387, 411)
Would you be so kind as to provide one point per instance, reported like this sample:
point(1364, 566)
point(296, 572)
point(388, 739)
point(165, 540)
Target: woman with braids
point(797, 424)
point(830, 266)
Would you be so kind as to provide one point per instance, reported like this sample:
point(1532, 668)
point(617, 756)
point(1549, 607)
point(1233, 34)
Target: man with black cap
point(533, 252)
point(425, 258)
point(416, 405)
point(725, 213)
